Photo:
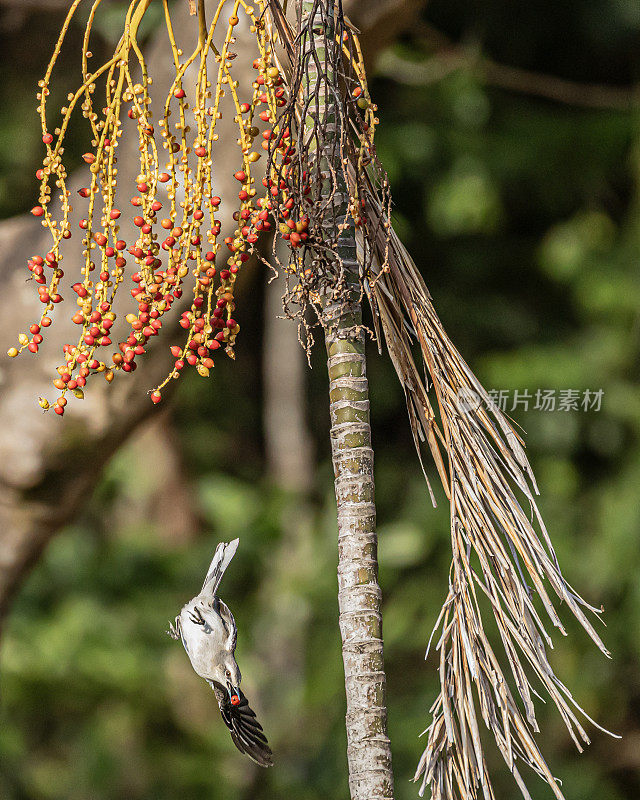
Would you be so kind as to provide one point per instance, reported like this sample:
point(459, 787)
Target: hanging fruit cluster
point(172, 204)
point(177, 247)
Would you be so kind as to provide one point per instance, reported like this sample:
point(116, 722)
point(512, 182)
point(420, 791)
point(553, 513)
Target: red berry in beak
point(235, 700)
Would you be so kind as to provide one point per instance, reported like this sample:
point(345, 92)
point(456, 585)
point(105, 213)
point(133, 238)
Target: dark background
point(522, 213)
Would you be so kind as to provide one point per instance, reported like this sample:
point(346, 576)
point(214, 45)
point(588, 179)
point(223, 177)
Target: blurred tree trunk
point(359, 595)
point(288, 444)
point(49, 468)
point(290, 569)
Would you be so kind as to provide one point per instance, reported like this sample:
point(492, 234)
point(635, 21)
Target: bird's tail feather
point(225, 551)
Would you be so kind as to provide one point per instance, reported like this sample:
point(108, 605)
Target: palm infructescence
point(326, 194)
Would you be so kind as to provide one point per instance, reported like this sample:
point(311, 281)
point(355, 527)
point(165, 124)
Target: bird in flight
point(208, 632)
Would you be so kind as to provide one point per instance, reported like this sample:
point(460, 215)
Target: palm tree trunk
point(359, 595)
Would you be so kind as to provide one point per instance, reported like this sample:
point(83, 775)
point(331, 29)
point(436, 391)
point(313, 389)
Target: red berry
point(156, 397)
point(37, 211)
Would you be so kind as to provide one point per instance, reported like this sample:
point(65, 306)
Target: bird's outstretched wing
point(225, 551)
point(246, 731)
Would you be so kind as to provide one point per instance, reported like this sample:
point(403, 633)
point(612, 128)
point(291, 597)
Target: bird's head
point(230, 677)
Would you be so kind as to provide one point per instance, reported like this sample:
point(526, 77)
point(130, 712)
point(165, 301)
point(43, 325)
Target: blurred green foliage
point(524, 218)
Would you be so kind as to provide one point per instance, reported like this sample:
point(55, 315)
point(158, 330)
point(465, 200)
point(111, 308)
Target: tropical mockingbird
point(208, 633)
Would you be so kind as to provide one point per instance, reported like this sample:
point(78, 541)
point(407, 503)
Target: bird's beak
point(234, 693)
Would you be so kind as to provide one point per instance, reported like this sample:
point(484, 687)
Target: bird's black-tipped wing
point(246, 731)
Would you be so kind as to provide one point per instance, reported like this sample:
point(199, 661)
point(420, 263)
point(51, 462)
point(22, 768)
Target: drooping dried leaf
point(501, 552)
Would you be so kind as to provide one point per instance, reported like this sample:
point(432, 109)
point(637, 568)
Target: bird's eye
point(227, 673)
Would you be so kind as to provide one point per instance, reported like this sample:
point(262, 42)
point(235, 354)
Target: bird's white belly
point(204, 644)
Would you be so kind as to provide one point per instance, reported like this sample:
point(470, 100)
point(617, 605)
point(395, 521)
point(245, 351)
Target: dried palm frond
point(497, 551)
